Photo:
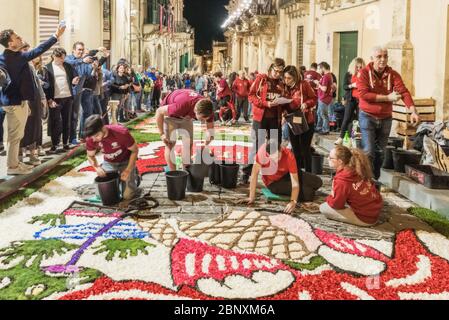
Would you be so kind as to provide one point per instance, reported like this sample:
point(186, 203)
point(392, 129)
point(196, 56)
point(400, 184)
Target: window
point(300, 47)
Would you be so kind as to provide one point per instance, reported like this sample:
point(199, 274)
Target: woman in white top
point(61, 76)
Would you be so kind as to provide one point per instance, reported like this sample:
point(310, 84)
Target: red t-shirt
point(270, 173)
point(115, 146)
point(327, 96)
point(355, 91)
point(223, 90)
point(181, 103)
point(241, 87)
point(310, 76)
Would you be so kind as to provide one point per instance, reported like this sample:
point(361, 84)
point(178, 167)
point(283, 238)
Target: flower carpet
point(208, 247)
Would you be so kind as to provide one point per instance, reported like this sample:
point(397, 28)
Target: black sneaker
point(67, 147)
point(52, 150)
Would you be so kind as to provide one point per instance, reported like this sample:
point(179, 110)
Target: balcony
point(295, 8)
point(182, 26)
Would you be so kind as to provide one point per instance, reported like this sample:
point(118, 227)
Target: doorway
point(348, 51)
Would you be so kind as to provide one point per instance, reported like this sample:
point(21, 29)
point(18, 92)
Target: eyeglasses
point(382, 56)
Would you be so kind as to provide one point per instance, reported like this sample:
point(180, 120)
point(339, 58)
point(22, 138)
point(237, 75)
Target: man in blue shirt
point(14, 98)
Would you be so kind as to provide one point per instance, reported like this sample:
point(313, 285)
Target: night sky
point(206, 16)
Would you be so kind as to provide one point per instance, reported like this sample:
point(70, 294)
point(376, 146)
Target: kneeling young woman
point(280, 174)
point(354, 198)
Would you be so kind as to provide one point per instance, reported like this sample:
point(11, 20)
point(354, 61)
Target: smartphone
point(62, 24)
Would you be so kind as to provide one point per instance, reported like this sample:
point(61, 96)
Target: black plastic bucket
point(388, 159)
point(229, 175)
point(195, 181)
point(402, 158)
point(109, 188)
point(176, 184)
point(396, 142)
point(215, 173)
point(317, 164)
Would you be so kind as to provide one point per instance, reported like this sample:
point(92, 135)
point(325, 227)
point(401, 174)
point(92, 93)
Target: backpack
point(148, 85)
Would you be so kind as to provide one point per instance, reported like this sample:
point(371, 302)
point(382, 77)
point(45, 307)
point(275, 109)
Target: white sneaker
point(26, 166)
point(35, 161)
point(18, 171)
point(339, 141)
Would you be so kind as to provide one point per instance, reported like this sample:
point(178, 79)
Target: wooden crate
point(446, 134)
point(425, 108)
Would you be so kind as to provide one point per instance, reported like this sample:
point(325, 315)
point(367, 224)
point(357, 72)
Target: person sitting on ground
point(280, 174)
point(120, 153)
point(228, 114)
point(179, 109)
point(354, 198)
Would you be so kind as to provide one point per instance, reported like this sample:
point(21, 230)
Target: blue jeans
point(332, 112)
point(285, 132)
point(87, 105)
point(375, 133)
point(323, 117)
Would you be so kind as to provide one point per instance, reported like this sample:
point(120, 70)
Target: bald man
point(379, 87)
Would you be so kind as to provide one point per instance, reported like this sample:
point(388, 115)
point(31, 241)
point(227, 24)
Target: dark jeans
point(260, 132)
point(2, 119)
point(155, 100)
point(97, 105)
point(351, 114)
point(87, 105)
point(242, 106)
point(59, 121)
point(375, 133)
point(302, 147)
point(309, 185)
point(75, 116)
point(104, 108)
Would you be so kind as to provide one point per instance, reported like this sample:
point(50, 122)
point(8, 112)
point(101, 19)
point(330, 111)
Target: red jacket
point(302, 93)
point(310, 76)
point(223, 89)
point(361, 196)
point(258, 95)
point(224, 109)
point(369, 86)
point(241, 87)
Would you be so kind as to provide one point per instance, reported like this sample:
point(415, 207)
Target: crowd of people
point(286, 105)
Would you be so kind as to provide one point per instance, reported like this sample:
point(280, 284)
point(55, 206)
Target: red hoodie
point(361, 196)
point(369, 86)
point(302, 93)
point(224, 109)
point(241, 87)
point(263, 91)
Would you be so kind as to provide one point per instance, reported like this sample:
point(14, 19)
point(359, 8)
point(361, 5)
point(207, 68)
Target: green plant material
point(125, 248)
point(34, 186)
point(314, 263)
point(132, 124)
point(142, 137)
point(49, 219)
point(23, 276)
point(35, 250)
point(435, 220)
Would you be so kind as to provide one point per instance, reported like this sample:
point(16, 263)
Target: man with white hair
point(379, 87)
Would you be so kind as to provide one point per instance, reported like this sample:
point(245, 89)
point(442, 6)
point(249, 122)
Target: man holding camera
point(14, 98)
point(379, 87)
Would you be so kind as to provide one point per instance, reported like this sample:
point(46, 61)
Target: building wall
point(378, 22)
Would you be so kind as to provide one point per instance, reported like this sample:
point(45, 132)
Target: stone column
point(400, 47)
point(310, 43)
point(235, 52)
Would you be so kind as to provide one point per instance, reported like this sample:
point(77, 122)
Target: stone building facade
point(416, 32)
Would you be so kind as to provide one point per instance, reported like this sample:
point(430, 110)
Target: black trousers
point(104, 108)
point(309, 183)
point(351, 114)
point(260, 132)
point(60, 121)
point(242, 106)
point(302, 148)
point(155, 100)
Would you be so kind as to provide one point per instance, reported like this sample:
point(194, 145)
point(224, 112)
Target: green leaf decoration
point(49, 219)
point(125, 248)
point(314, 263)
point(36, 250)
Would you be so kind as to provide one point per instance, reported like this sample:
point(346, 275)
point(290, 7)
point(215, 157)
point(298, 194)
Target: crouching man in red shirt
point(119, 149)
point(179, 109)
point(379, 86)
point(355, 199)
